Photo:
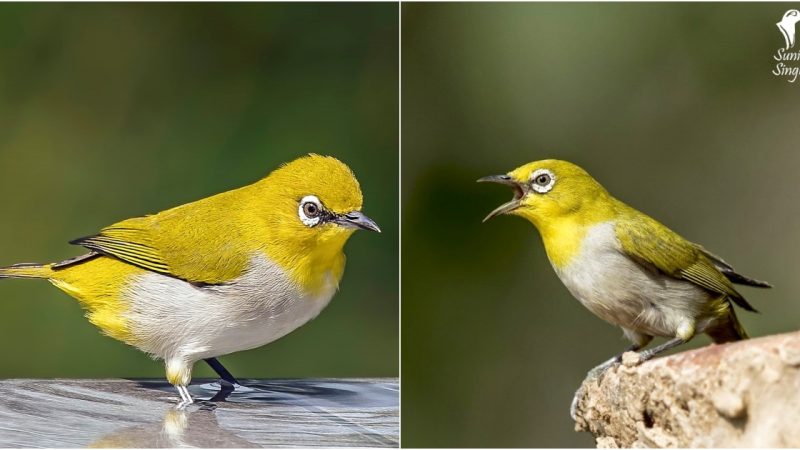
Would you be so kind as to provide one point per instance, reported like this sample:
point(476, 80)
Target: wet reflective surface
point(140, 413)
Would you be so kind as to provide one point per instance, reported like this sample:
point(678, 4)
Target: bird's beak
point(505, 208)
point(356, 219)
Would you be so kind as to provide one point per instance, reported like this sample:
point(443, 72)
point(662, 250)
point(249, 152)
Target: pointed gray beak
point(357, 219)
point(505, 208)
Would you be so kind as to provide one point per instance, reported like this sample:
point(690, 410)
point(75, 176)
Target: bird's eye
point(310, 210)
point(542, 180)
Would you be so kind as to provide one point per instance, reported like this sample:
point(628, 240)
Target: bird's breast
point(171, 317)
point(621, 291)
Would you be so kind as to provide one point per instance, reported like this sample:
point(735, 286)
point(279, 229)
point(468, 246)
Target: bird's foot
point(186, 398)
point(200, 405)
point(227, 385)
point(594, 375)
point(627, 359)
point(183, 405)
point(225, 389)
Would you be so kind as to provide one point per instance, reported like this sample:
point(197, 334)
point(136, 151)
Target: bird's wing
point(190, 242)
point(655, 246)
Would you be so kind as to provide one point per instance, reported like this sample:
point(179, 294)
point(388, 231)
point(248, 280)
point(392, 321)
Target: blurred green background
point(672, 107)
point(109, 111)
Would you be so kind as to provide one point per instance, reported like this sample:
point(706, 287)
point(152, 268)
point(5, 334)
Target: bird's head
point(550, 190)
point(307, 210)
point(315, 200)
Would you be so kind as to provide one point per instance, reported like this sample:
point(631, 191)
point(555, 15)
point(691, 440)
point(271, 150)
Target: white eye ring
point(542, 188)
point(309, 221)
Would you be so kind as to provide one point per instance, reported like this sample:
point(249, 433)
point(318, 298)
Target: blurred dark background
point(673, 107)
point(109, 111)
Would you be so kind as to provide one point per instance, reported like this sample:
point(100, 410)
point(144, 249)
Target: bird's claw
point(183, 404)
point(594, 375)
point(194, 406)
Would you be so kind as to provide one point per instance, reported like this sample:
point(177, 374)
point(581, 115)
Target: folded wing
point(652, 244)
point(193, 242)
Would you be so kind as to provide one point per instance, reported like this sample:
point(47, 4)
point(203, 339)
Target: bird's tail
point(26, 270)
point(728, 329)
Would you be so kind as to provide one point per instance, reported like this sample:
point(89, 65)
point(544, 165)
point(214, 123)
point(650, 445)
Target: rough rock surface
point(743, 394)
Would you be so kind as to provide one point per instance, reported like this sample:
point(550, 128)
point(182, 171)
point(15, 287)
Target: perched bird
point(622, 265)
point(226, 273)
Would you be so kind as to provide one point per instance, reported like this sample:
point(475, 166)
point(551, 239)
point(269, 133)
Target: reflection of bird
point(622, 265)
point(179, 429)
point(787, 26)
point(227, 273)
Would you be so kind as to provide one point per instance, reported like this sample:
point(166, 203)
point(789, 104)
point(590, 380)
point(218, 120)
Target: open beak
point(505, 208)
point(356, 219)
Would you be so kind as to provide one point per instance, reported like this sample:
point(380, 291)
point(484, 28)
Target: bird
point(787, 26)
point(223, 274)
point(624, 266)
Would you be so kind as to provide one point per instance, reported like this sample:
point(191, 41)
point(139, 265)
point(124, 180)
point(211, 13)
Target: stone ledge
point(742, 394)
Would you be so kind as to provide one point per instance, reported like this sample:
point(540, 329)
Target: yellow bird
point(223, 274)
point(622, 265)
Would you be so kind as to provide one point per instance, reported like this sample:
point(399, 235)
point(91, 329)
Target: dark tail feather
point(728, 329)
point(741, 279)
point(739, 300)
point(730, 273)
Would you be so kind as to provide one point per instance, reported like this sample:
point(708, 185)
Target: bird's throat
point(562, 240)
point(319, 266)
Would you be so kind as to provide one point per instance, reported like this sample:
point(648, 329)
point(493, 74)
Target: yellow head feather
point(574, 195)
point(311, 254)
point(324, 176)
point(561, 200)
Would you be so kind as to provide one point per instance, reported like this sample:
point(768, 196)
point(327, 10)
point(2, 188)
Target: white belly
point(172, 318)
point(625, 293)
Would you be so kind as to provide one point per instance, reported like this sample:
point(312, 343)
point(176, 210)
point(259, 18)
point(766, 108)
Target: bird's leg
point(221, 371)
point(600, 369)
point(596, 373)
point(227, 382)
point(186, 397)
point(179, 374)
point(225, 390)
point(650, 353)
point(640, 340)
point(684, 333)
